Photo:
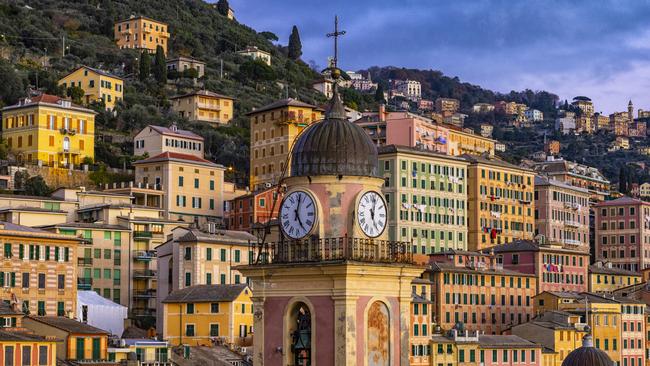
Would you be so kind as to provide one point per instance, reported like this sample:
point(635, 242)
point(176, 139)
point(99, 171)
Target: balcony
point(142, 234)
point(212, 107)
point(68, 131)
point(299, 120)
point(84, 262)
point(335, 249)
point(572, 242)
point(84, 284)
point(144, 294)
point(143, 274)
point(144, 255)
point(86, 241)
point(143, 312)
point(571, 223)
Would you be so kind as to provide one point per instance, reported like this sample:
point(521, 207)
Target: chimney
point(381, 114)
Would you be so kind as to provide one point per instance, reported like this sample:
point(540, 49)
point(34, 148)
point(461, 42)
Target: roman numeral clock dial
point(297, 214)
point(371, 214)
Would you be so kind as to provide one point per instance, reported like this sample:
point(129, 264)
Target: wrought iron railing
point(333, 249)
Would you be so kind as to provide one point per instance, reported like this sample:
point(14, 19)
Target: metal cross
point(336, 35)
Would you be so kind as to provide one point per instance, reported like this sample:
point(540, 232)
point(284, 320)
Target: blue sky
point(596, 48)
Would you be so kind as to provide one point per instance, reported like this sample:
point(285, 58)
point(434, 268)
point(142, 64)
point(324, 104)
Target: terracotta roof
point(49, 100)
point(220, 236)
point(544, 181)
point(205, 93)
point(289, 102)
point(97, 71)
point(174, 156)
point(175, 132)
point(140, 17)
point(504, 341)
point(206, 293)
point(612, 271)
point(625, 200)
point(528, 246)
point(474, 159)
point(68, 325)
point(22, 336)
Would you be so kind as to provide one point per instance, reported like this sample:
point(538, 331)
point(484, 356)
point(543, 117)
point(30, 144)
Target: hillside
point(31, 44)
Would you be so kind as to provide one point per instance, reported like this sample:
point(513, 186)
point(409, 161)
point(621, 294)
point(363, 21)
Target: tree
point(379, 94)
point(12, 86)
point(145, 65)
point(76, 93)
point(256, 70)
point(223, 7)
point(160, 66)
point(270, 36)
point(36, 186)
point(295, 47)
point(622, 180)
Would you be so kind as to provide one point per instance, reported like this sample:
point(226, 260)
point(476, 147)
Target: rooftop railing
point(333, 249)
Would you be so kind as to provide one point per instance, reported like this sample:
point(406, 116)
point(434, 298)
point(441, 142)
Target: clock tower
point(333, 290)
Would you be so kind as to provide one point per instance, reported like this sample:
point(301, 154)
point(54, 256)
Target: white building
point(534, 115)
point(566, 124)
point(411, 89)
point(155, 140)
point(324, 86)
point(255, 53)
point(644, 190)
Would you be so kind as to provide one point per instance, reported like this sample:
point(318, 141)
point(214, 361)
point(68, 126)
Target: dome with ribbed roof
point(334, 146)
point(587, 355)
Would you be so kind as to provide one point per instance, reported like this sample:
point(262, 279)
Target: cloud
point(577, 47)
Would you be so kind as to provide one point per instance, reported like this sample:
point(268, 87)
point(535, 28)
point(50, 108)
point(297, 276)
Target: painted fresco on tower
point(378, 335)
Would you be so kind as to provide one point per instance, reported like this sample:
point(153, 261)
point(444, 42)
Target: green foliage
point(12, 85)
point(102, 176)
point(160, 66)
point(36, 186)
point(379, 94)
point(145, 66)
point(357, 100)
point(295, 46)
point(76, 93)
point(223, 7)
point(270, 36)
point(256, 70)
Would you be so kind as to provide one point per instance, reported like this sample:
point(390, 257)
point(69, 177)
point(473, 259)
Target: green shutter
point(67, 254)
point(80, 349)
point(21, 251)
point(13, 279)
point(2, 279)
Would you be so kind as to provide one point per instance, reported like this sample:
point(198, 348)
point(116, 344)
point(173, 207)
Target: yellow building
point(15, 341)
point(147, 351)
point(196, 314)
point(603, 278)
point(141, 33)
point(500, 202)
point(274, 127)
point(38, 270)
point(49, 129)
point(421, 323)
point(96, 84)
point(204, 106)
point(76, 341)
point(556, 331)
point(461, 142)
point(602, 314)
point(256, 54)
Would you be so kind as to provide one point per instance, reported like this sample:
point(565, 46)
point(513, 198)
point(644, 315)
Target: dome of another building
point(587, 355)
point(334, 146)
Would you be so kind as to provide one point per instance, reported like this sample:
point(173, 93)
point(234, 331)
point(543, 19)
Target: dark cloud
point(595, 48)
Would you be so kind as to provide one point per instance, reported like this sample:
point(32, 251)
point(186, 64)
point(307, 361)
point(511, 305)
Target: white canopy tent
point(100, 312)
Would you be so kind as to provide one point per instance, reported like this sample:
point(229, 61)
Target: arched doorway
point(300, 333)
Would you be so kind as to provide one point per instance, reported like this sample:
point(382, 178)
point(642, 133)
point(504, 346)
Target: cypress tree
point(622, 180)
point(295, 47)
point(145, 65)
point(379, 94)
point(160, 66)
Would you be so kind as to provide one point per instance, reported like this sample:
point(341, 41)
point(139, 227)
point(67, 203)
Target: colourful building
point(141, 33)
point(147, 351)
point(196, 314)
point(204, 106)
point(463, 142)
point(154, 140)
point(49, 129)
point(556, 268)
point(193, 257)
point(38, 270)
point(633, 332)
point(472, 288)
point(421, 323)
point(274, 128)
point(246, 211)
point(412, 130)
point(183, 64)
point(21, 347)
point(577, 175)
point(426, 197)
point(76, 341)
point(98, 85)
point(465, 348)
point(501, 206)
point(256, 54)
point(562, 213)
point(622, 233)
point(556, 331)
point(605, 278)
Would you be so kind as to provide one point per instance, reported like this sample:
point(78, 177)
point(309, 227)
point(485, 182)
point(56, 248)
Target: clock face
point(371, 214)
point(297, 214)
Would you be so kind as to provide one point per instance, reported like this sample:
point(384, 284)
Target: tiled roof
point(97, 71)
point(475, 159)
point(450, 267)
point(498, 341)
point(289, 102)
point(170, 131)
point(6, 309)
point(49, 100)
point(68, 325)
point(205, 93)
point(544, 181)
point(625, 200)
point(220, 236)
point(174, 156)
point(528, 246)
point(21, 336)
point(206, 293)
point(612, 271)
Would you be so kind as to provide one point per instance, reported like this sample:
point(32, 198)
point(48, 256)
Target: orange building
point(421, 322)
point(472, 288)
point(141, 33)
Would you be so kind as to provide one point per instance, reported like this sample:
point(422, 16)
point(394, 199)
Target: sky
point(600, 48)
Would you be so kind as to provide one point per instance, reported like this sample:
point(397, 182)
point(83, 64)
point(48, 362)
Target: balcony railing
point(142, 234)
point(84, 283)
point(86, 241)
point(144, 255)
point(571, 223)
point(144, 294)
point(334, 249)
point(84, 262)
point(146, 273)
point(143, 312)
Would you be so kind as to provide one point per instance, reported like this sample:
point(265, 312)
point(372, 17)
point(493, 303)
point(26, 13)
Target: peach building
point(474, 289)
point(408, 129)
point(141, 33)
point(421, 322)
point(562, 213)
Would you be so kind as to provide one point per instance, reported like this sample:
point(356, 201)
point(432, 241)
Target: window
point(188, 279)
point(42, 355)
point(214, 330)
point(41, 280)
point(27, 356)
point(208, 254)
point(190, 309)
point(189, 330)
point(214, 308)
point(188, 253)
point(41, 308)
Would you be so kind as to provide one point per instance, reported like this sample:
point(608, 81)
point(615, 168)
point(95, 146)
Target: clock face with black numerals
point(298, 214)
point(371, 214)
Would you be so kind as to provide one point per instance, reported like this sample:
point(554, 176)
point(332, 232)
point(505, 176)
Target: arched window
point(66, 144)
point(378, 335)
point(300, 332)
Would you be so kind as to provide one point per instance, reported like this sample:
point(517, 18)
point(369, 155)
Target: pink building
point(408, 129)
point(633, 331)
point(622, 233)
point(562, 213)
point(556, 268)
point(426, 105)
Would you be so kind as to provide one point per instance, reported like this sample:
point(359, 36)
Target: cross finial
point(336, 35)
